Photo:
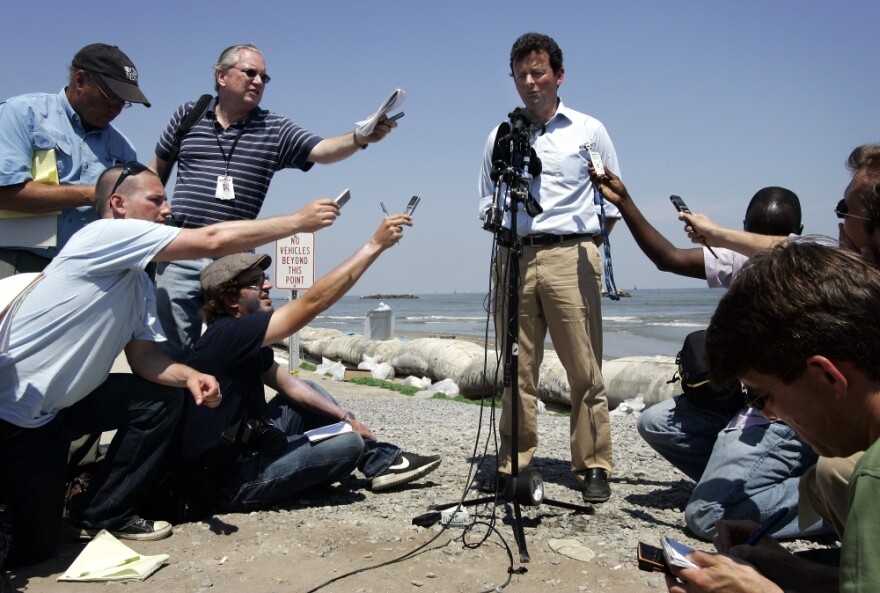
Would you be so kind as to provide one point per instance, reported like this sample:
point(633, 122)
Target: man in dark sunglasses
point(226, 163)
point(53, 147)
point(801, 334)
point(93, 302)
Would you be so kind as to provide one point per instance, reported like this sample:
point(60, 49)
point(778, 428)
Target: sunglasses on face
point(752, 398)
point(129, 169)
point(255, 283)
point(253, 73)
point(114, 103)
point(842, 211)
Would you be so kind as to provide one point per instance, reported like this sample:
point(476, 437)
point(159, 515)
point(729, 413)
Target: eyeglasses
point(842, 211)
point(114, 103)
point(253, 73)
point(752, 398)
point(255, 283)
point(129, 169)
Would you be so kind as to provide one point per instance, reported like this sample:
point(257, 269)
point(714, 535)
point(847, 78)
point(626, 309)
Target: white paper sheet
point(392, 103)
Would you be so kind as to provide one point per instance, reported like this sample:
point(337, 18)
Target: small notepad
point(676, 553)
point(325, 432)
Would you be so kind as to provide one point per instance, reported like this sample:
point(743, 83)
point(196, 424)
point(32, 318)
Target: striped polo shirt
point(267, 142)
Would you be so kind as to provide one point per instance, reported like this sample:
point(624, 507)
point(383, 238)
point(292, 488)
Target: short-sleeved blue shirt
point(94, 298)
point(38, 121)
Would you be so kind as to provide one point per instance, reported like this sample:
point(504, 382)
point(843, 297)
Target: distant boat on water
point(386, 297)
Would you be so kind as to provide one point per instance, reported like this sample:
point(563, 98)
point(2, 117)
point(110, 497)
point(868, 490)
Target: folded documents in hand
point(106, 558)
point(392, 103)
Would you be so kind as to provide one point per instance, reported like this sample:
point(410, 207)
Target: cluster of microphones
point(514, 164)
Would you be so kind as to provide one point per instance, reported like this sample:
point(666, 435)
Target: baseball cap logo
point(114, 68)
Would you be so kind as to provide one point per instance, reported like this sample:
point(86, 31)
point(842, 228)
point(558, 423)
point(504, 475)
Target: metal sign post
point(293, 360)
point(294, 267)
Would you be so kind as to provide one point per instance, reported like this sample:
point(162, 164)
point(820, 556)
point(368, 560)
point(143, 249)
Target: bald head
point(131, 191)
point(774, 211)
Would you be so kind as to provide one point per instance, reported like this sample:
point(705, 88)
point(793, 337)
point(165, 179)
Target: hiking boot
point(406, 468)
point(136, 528)
point(596, 487)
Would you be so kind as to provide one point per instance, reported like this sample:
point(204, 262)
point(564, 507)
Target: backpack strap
point(190, 119)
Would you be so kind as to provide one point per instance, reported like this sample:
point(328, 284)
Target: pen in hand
point(766, 526)
point(384, 209)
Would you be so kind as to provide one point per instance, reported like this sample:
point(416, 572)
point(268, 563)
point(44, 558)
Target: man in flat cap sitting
point(272, 459)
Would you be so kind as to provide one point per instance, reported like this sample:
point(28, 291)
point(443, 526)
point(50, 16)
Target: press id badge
point(225, 189)
point(596, 159)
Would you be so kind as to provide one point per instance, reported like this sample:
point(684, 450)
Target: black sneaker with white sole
point(406, 468)
point(136, 528)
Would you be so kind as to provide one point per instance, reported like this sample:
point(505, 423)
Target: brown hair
point(530, 42)
point(215, 307)
point(793, 302)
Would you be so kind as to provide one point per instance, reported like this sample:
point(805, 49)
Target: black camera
point(261, 435)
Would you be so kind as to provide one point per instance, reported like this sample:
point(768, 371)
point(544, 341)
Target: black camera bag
point(694, 376)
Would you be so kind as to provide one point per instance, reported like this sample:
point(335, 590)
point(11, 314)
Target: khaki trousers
point(559, 292)
point(824, 492)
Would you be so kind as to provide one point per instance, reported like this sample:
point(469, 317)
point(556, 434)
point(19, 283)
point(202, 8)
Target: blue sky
point(710, 100)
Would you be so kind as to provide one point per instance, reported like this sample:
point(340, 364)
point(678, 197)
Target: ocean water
point(650, 322)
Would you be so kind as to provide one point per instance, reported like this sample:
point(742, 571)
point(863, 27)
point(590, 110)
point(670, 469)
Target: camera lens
point(261, 435)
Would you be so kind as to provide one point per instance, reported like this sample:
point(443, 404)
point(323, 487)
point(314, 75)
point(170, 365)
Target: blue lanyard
point(610, 286)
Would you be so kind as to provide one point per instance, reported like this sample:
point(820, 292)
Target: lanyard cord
point(610, 286)
point(226, 159)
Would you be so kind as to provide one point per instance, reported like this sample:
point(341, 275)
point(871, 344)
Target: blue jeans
point(178, 300)
point(33, 462)
point(264, 480)
point(740, 474)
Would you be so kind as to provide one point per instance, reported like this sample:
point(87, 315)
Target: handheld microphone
point(520, 119)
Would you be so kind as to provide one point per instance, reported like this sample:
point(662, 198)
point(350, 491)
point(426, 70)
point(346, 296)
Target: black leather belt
point(543, 239)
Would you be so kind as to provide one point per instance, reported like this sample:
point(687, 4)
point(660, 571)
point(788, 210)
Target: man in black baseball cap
point(42, 128)
point(113, 68)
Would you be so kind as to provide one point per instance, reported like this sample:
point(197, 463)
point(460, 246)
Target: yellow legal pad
point(106, 558)
point(33, 230)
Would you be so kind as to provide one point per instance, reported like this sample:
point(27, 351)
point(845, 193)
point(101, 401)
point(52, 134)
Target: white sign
point(295, 262)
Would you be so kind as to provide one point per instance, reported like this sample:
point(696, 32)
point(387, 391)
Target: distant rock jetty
point(386, 297)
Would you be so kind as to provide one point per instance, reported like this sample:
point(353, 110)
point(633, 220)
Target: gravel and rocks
point(367, 541)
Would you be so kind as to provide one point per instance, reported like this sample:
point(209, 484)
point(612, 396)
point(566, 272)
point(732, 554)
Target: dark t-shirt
point(231, 349)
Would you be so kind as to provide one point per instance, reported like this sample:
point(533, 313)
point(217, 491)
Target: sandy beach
point(368, 542)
